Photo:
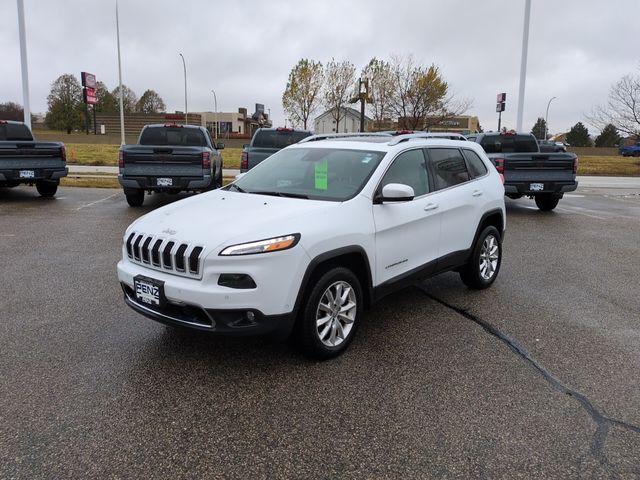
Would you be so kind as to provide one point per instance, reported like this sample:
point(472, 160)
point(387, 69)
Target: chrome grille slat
point(168, 255)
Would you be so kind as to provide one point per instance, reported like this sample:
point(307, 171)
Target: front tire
point(484, 264)
point(47, 188)
point(331, 315)
point(547, 201)
point(135, 197)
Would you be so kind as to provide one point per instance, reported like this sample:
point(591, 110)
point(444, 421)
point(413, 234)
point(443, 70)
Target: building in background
point(463, 124)
point(230, 124)
point(349, 122)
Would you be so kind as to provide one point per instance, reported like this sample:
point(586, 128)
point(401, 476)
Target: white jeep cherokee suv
point(314, 234)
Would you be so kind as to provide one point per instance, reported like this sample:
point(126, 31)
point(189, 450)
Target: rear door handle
point(430, 206)
point(477, 193)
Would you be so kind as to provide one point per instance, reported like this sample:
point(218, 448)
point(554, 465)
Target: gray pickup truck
point(169, 158)
point(25, 161)
point(545, 176)
point(266, 142)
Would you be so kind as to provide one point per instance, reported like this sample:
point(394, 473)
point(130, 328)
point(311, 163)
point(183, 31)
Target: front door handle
point(430, 206)
point(477, 193)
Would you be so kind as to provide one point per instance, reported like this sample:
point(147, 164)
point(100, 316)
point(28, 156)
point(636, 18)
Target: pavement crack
point(603, 423)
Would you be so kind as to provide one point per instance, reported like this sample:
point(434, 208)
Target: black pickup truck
point(266, 142)
point(169, 158)
point(25, 161)
point(545, 176)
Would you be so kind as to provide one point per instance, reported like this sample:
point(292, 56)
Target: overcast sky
point(245, 49)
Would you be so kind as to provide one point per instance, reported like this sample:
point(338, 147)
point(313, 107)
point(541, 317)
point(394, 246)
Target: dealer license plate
point(148, 290)
point(165, 182)
point(27, 174)
point(536, 187)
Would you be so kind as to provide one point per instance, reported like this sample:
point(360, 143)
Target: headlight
point(263, 246)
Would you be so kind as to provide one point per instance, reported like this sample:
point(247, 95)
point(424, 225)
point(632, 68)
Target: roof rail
point(409, 136)
point(325, 136)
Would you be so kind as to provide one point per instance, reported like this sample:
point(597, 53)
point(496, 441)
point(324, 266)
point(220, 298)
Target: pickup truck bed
point(169, 158)
point(545, 177)
point(26, 161)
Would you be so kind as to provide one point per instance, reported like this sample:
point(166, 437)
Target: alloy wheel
point(336, 313)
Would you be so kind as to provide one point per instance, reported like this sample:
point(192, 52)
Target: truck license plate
point(165, 182)
point(536, 187)
point(27, 174)
point(147, 290)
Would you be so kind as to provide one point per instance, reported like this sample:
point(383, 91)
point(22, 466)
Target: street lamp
point(186, 110)
point(215, 109)
point(546, 117)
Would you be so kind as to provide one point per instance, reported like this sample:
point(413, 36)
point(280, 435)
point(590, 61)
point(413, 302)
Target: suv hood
point(225, 217)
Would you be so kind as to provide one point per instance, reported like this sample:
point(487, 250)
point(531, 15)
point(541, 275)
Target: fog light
point(251, 316)
point(236, 280)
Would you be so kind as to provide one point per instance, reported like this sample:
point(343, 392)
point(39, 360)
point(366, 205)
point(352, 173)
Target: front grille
point(171, 256)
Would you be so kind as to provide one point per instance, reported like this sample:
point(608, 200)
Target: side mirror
point(220, 146)
point(395, 192)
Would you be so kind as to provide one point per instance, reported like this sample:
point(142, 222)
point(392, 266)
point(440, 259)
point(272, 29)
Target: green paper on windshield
point(321, 175)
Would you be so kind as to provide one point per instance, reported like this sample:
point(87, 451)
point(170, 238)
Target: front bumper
point(523, 188)
point(223, 322)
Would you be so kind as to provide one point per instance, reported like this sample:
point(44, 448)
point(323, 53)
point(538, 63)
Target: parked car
point(545, 176)
point(320, 230)
point(266, 142)
point(26, 161)
point(630, 151)
point(169, 158)
point(551, 146)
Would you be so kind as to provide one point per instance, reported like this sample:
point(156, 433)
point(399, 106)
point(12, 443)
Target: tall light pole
point(186, 110)
point(546, 118)
point(23, 61)
point(215, 109)
point(523, 63)
point(121, 99)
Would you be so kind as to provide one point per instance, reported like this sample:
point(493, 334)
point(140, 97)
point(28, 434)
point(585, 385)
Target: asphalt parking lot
point(536, 377)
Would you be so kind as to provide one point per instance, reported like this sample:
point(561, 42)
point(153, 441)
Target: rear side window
point(449, 167)
point(15, 132)
point(476, 166)
point(184, 137)
point(509, 144)
point(408, 169)
point(277, 139)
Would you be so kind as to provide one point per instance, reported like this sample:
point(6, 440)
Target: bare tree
point(65, 104)
point(301, 97)
point(381, 89)
point(421, 98)
point(622, 109)
point(339, 79)
point(129, 99)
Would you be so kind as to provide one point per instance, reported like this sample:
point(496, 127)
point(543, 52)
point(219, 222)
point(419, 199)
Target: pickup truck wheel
point(219, 178)
point(484, 264)
point(135, 198)
point(331, 315)
point(47, 188)
point(547, 202)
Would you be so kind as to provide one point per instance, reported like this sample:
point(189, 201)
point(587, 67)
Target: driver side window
point(408, 168)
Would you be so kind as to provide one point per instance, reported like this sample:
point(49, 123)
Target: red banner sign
point(90, 95)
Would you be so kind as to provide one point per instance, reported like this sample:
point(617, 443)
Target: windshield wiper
point(282, 194)
point(238, 189)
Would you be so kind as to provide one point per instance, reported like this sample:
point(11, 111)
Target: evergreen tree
point(609, 137)
point(539, 130)
point(106, 102)
point(578, 136)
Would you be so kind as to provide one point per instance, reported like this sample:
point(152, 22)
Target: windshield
point(277, 138)
point(509, 144)
point(174, 136)
point(15, 132)
point(315, 173)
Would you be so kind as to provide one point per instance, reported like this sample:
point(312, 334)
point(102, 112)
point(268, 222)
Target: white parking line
point(97, 201)
point(573, 195)
point(577, 210)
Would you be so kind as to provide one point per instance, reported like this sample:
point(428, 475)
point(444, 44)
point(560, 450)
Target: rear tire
point(47, 188)
point(219, 177)
point(135, 197)
point(547, 201)
point(484, 264)
point(331, 314)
